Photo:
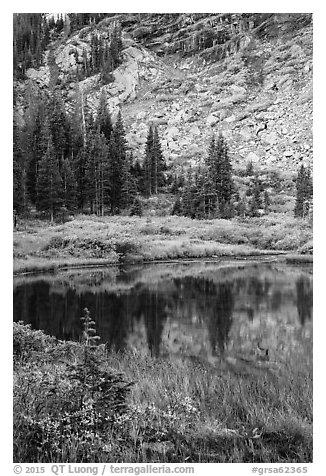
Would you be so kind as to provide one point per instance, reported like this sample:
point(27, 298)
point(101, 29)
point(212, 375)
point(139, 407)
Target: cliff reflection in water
point(190, 314)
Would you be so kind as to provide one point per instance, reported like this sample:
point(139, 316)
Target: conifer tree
point(207, 191)
point(177, 206)
point(116, 46)
point(148, 186)
point(304, 191)
point(58, 126)
point(267, 201)
point(79, 131)
point(256, 201)
point(187, 198)
point(69, 186)
point(103, 119)
point(129, 187)
point(118, 166)
point(33, 145)
point(49, 182)
point(19, 201)
point(138, 174)
point(137, 208)
point(154, 163)
point(97, 172)
point(158, 163)
point(220, 172)
point(224, 183)
point(107, 66)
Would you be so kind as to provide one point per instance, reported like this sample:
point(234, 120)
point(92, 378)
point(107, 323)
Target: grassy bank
point(73, 403)
point(90, 240)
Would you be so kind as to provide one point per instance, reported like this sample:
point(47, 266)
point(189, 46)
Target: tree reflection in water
point(304, 299)
point(142, 310)
point(220, 318)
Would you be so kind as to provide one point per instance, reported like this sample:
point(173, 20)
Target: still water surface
point(189, 309)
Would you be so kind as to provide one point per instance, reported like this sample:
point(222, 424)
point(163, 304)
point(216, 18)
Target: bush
point(27, 341)
point(71, 406)
point(57, 242)
point(136, 208)
point(125, 247)
point(94, 247)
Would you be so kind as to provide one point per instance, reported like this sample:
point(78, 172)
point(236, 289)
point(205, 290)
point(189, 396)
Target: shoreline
point(288, 258)
point(110, 241)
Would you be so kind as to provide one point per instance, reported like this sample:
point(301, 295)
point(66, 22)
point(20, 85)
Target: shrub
point(57, 242)
point(27, 341)
point(136, 208)
point(71, 405)
point(126, 246)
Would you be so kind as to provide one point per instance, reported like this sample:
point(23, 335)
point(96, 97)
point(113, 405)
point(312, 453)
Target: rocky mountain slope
point(249, 76)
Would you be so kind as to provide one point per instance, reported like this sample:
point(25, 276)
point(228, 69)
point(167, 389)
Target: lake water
point(199, 310)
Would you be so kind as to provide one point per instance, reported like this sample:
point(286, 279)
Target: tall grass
point(132, 239)
point(73, 403)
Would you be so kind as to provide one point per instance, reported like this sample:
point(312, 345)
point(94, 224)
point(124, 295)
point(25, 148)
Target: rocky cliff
point(247, 75)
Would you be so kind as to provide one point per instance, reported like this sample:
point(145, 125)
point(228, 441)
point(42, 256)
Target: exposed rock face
point(197, 74)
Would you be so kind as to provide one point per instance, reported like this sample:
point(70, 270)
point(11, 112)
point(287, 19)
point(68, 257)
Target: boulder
point(141, 115)
point(252, 157)
point(269, 137)
point(173, 146)
point(212, 120)
point(237, 89)
point(284, 79)
point(172, 132)
point(194, 130)
point(133, 53)
point(308, 67)
point(288, 153)
point(184, 142)
point(230, 118)
point(245, 134)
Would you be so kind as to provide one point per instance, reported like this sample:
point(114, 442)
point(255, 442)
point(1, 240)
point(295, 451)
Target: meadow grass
point(115, 239)
point(176, 410)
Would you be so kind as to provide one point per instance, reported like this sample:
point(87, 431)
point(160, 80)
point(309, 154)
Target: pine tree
point(49, 182)
point(116, 46)
point(198, 191)
point(19, 180)
point(158, 163)
point(30, 38)
point(220, 172)
point(304, 191)
point(207, 190)
point(138, 174)
point(256, 201)
point(137, 208)
point(267, 201)
point(33, 145)
point(107, 66)
point(118, 166)
point(129, 187)
point(154, 163)
point(103, 119)
point(97, 172)
point(69, 186)
point(298, 211)
point(177, 206)
point(148, 186)
point(58, 126)
point(78, 139)
point(224, 183)
point(187, 197)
